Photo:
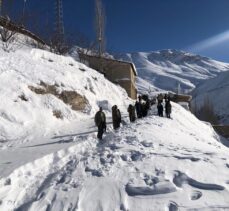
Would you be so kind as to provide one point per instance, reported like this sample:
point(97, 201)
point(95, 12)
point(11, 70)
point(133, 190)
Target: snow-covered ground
point(167, 69)
point(153, 164)
point(216, 90)
point(23, 112)
point(57, 164)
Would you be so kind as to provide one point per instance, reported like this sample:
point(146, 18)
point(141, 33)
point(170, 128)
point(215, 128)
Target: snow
point(51, 164)
point(153, 164)
point(29, 67)
point(166, 69)
point(216, 90)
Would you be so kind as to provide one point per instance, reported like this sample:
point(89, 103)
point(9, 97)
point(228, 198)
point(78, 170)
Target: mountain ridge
point(165, 69)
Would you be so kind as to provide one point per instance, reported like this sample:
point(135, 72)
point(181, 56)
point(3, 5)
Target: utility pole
point(59, 23)
point(23, 12)
point(100, 26)
point(1, 3)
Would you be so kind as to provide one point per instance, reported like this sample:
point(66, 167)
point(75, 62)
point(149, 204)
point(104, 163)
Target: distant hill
point(215, 90)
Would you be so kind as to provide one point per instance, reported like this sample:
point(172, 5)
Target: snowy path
point(153, 164)
point(35, 146)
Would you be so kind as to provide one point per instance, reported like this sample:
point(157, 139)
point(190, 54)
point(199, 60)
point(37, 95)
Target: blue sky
point(148, 25)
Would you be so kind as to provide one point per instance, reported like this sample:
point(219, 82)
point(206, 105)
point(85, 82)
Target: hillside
point(216, 90)
point(167, 68)
point(153, 164)
point(41, 91)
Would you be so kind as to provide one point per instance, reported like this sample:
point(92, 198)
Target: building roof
point(113, 60)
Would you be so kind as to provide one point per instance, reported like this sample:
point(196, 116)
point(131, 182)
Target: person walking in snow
point(131, 111)
point(100, 121)
point(138, 106)
point(160, 109)
point(145, 105)
point(116, 117)
point(168, 108)
point(167, 97)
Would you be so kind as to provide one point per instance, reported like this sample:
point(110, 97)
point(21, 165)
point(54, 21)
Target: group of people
point(141, 109)
point(168, 106)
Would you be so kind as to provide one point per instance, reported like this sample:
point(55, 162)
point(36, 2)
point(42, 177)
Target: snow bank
point(22, 111)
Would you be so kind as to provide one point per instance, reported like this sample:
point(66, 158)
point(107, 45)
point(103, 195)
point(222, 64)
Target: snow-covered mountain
point(216, 91)
point(166, 69)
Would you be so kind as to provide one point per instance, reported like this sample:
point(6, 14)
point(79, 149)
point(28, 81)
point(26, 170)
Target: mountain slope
point(167, 68)
point(216, 91)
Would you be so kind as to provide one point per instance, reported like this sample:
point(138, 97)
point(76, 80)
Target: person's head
point(139, 97)
point(100, 108)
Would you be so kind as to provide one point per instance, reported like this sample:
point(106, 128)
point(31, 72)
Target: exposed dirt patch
point(58, 114)
point(72, 98)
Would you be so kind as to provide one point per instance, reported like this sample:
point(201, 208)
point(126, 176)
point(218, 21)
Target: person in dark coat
point(168, 108)
point(145, 107)
point(100, 121)
point(160, 109)
point(167, 97)
point(160, 98)
point(144, 110)
point(138, 106)
point(131, 111)
point(116, 117)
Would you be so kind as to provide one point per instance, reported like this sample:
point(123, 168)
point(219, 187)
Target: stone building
point(119, 72)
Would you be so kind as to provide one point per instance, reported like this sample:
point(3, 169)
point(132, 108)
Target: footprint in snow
point(196, 195)
point(209, 153)
point(136, 156)
point(113, 147)
point(227, 165)
point(151, 180)
point(94, 172)
point(124, 157)
point(193, 159)
point(159, 172)
point(173, 206)
point(147, 144)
